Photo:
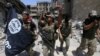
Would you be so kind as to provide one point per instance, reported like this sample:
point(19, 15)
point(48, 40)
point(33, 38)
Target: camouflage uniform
point(28, 26)
point(65, 31)
point(55, 29)
point(48, 34)
point(88, 41)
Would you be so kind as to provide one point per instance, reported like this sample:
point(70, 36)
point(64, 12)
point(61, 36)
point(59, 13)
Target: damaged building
point(3, 10)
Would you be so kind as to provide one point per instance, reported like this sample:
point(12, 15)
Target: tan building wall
point(33, 10)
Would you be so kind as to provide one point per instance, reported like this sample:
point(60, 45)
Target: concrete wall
point(82, 7)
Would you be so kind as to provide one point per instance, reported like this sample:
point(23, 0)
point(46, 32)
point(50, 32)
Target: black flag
point(17, 37)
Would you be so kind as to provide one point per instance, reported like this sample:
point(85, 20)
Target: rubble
point(2, 40)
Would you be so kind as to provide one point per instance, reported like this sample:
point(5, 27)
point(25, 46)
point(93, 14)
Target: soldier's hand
point(89, 26)
point(36, 33)
point(98, 33)
point(58, 30)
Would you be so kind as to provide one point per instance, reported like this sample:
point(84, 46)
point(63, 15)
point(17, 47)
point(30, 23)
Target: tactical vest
point(90, 34)
point(48, 31)
point(66, 30)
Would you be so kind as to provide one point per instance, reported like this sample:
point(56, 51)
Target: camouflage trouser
point(67, 42)
point(87, 43)
point(47, 48)
point(29, 49)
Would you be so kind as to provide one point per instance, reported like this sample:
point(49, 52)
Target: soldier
point(98, 30)
point(42, 21)
point(64, 31)
point(48, 37)
point(29, 25)
point(88, 38)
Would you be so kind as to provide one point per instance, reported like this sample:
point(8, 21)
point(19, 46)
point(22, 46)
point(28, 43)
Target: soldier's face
point(49, 19)
point(24, 16)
